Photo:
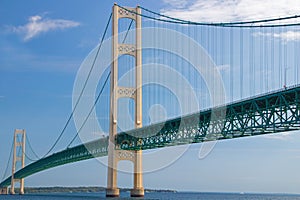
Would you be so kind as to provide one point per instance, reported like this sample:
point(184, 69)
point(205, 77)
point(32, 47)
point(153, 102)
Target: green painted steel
point(270, 113)
point(86, 151)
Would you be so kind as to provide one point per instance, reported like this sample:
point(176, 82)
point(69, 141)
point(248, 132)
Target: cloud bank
point(287, 36)
point(230, 10)
point(37, 25)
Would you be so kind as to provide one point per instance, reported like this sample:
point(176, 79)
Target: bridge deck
point(269, 113)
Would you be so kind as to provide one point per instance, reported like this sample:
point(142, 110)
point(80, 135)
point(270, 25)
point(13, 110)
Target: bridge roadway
point(274, 112)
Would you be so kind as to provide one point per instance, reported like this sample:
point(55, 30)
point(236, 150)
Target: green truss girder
point(85, 151)
point(270, 113)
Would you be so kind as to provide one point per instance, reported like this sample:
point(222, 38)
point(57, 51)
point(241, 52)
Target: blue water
point(155, 195)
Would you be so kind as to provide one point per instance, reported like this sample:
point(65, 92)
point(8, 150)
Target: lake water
point(156, 195)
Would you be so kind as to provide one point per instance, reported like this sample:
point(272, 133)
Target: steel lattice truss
point(271, 113)
point(86, 151)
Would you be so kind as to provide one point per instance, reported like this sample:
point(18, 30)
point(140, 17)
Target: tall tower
point(19, 146)
point(131, 92)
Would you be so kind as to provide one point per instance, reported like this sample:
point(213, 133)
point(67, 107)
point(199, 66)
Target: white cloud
point(231, 10)
point(286, 36)
point(37, 25)
point(176, 3)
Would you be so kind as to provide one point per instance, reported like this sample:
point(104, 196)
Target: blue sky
point(42, 45)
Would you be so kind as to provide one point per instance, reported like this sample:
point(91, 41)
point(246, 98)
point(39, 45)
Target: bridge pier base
point(12, 192)
point(4, 191)
point(112, 192)
point(137, 192)
point(138, 189)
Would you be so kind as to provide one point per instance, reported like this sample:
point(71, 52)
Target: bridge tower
point(18, 146)
point(131, 92)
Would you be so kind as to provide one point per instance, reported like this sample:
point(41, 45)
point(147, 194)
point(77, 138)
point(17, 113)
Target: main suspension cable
point(9, 160)
point(81, 93)
point(106, 79)
point(222, 24)
point(19, 140)
point(29, 145)
point(91, 110)
point(129, 27)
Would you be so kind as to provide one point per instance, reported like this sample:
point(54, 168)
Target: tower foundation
point(137, 192)
point(112, 192)
point(4, 191)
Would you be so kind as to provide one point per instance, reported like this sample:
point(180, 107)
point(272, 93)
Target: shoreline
point(80, 189)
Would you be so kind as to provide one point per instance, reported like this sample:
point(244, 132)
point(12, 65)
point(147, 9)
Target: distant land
point(43, 190)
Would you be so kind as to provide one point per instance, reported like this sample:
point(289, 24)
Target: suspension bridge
point(217, 80)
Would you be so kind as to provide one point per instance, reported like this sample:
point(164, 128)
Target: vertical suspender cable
point(241, 63)
point(261, 68)
point(285, 63)
point(272, 60)
point(250, 61)
point(231, 63)
point(296, 58)
point(266, 69)
point(280, 60)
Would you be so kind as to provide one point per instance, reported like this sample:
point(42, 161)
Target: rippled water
point(158, 195)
